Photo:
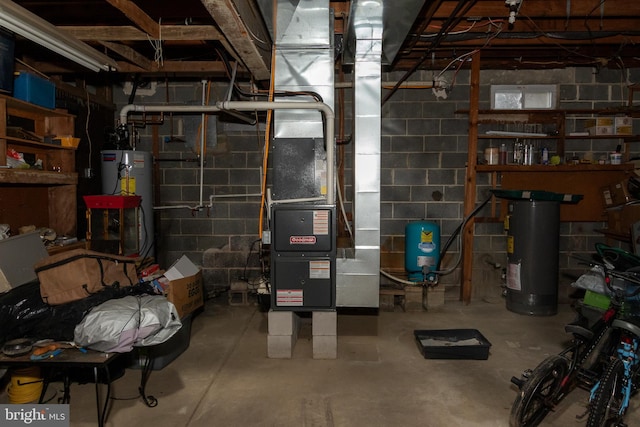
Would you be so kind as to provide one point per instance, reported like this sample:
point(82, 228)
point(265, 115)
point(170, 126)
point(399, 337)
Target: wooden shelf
point(586, 180)
point(41, 197)
point(36, 177)
point(485, 136)
point(32, 143)
point(628, 167)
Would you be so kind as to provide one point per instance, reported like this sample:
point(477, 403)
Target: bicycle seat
point(578, 330)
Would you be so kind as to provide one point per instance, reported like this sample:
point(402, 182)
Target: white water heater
point(128, 173)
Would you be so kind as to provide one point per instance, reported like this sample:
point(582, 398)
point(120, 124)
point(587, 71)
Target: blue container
point(422, 250)
point(36, 90)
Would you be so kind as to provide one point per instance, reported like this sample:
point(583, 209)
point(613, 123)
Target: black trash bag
point(23, 314)
point(65, 317)
point(21, 309)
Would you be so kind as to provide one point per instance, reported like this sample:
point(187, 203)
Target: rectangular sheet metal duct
point(358, 278)
point(304, 63)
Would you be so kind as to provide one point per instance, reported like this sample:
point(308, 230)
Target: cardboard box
point(623, 121)
point(186, 294)
point(600, 130)
point(616, 194)
point(622, 218)
point(607, 197)
point(599, 126)
point(185, 286)
point(624, 130)
point(600, 121)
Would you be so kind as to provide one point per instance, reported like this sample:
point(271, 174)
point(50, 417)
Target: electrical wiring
point(265, 157)
point(550, 36)
point(460, 59)
point(455, 234)
point(157, 46)
point(459, 11)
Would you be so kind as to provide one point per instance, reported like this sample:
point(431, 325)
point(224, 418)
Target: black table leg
point(102, 408)
point(145, 370)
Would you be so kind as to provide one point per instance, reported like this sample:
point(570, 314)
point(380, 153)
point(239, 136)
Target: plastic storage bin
point(161, 355)
point(36, 90)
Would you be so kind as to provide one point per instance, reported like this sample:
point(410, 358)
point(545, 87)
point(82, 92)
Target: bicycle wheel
point(605, 408)
point(539, 393)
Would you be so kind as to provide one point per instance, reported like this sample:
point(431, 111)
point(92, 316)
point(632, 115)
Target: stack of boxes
point(618, 125)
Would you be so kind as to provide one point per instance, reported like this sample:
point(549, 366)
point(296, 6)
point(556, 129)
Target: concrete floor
point(378, 379)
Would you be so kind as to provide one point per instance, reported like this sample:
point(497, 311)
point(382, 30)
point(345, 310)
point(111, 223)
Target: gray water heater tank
point(533, 234)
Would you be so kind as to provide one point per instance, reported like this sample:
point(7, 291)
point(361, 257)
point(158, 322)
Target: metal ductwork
point(304, 63)
point(399, 16)
point(304, 71)
point(303, 35)
point(358, 278)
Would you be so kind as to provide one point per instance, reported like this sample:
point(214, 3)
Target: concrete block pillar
point(283, 333)
point(433, 297)
point(413, 298)
point(325, 334)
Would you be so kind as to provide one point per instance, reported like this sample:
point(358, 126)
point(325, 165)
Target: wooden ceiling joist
point(130, 33)
point(130, 54)
point(138, 17)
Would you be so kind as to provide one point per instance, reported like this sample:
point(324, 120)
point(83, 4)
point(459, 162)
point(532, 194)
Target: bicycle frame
point(587, 361)
point(627, 352)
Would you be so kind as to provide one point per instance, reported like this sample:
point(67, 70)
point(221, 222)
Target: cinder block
point(434, 297)
point(280, 346)
point(413, 298)
point(325, 346)
point(283, 322)
point(387, 302)
point(324, 323)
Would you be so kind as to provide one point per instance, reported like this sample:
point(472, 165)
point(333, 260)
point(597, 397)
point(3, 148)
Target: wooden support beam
point(245, 33)
point(130, 54)
point(470, 182)
point(137, 16)
point(130, 33)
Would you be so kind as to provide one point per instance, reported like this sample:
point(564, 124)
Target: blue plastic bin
point(36, 90)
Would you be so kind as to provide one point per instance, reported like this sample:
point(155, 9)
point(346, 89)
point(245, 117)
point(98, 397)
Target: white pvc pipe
point(323, 108)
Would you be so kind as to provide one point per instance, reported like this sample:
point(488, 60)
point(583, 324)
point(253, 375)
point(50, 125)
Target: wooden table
point(66, 362)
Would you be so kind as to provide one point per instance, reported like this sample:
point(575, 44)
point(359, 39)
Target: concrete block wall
point(219, 236)
point(424, 152)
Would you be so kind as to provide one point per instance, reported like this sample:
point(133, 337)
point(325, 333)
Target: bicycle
point(609, 398)
point(585, 360)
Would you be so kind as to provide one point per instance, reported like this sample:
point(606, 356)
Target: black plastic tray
point(452, 344)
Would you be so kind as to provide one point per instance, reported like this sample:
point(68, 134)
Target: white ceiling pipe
point(324, 109)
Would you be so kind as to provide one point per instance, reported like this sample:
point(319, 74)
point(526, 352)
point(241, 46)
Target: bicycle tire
point(539, 393)
point(606, 403)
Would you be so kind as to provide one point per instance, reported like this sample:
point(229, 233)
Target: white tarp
point(118, 325)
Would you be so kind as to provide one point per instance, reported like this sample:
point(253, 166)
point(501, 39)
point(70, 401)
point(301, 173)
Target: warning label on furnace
point(319, 270)
point(289, 297)
point(321, 222)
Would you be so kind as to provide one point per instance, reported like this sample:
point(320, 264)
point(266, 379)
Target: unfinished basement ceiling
point(198, 37)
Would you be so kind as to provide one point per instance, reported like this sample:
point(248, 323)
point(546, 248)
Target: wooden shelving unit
point(42, 197)
point(585, 179)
